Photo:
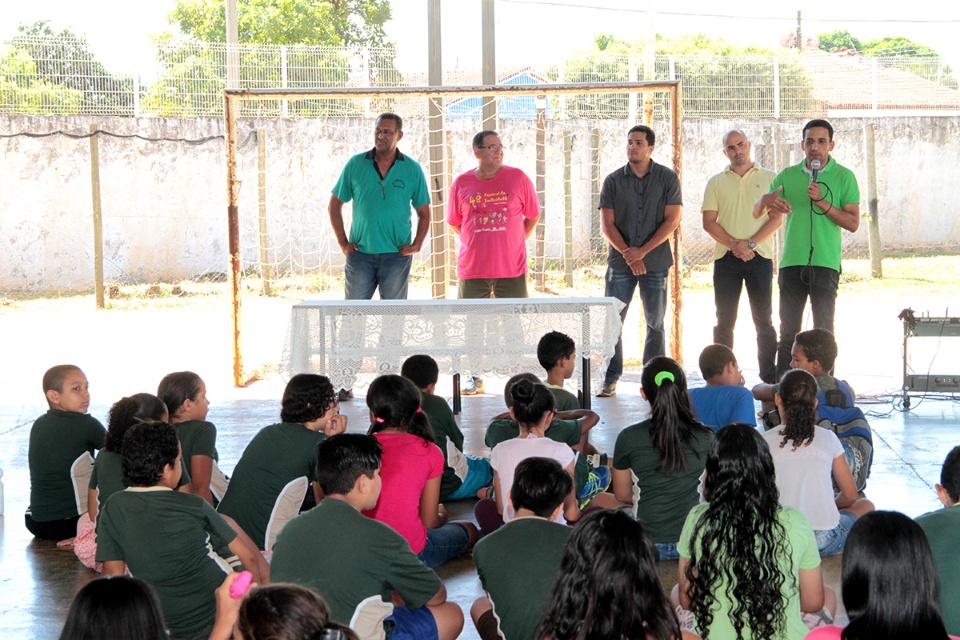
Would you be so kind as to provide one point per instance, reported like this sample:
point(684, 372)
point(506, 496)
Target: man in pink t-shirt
point(494, 209)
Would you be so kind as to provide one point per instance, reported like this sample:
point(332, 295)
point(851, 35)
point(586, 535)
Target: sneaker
point(597, 482)
point(820, 618)
point(344, 394)
point(688, 622)
point(608, 391)
point(473, 386)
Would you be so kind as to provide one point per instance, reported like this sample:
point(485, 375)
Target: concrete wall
point(164, 202)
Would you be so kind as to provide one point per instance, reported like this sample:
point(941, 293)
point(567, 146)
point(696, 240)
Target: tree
point(64, 60)
point(25, 91)
point(839, 39)
point(323, 22)
point(903, 53)
point(719, 78)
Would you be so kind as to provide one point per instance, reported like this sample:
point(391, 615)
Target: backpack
point(837, 413)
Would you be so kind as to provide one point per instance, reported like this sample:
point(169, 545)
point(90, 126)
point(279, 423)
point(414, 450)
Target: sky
point(529, 32)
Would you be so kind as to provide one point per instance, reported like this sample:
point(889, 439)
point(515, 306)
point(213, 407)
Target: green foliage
point(839, 39)
point(900, 53)
point(22, 88)
point(719, 79)
point(319, 22)
point(64, 61)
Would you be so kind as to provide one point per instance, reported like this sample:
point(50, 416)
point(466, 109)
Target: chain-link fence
point(59, 76)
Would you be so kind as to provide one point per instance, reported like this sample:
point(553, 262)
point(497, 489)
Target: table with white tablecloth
point(353, 341)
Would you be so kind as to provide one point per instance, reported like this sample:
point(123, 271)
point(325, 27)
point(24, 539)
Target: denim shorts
point(667, 550)
point(830, 542)
point(445, 543)
point(413, 624)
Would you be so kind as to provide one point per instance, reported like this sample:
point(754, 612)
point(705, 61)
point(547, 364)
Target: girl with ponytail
point(657, 463)
point(412, 466)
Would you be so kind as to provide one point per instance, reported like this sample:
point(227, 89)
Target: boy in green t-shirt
point(941, 529)
point(361, 567)
point(557, 355)
point(62, 442)
point(518, 562)
point(166, 537)
point(463, 475)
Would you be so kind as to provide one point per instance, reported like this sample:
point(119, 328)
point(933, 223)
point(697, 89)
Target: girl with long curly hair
point(608, 587)
point(748, 566)
point(809, 459)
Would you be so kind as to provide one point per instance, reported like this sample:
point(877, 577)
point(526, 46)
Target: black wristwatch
point(751, 243)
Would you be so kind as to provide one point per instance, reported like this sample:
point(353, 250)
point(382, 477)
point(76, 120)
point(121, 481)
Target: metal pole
point(541, 185)
point(676, 336)
point(97, 215)
point(233, 39)
point(266, 271)
point(233, 231)
point(438, 186)
point(489, 44)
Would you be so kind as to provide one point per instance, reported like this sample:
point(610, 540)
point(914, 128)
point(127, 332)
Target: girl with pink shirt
point(411, 469)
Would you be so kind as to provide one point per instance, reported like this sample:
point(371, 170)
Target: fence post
point(97, 214)
point(873, 223)
point(283, 77)
point(541, 186)
point(776, 87)
point(567, 210)
point(136, 96)
point(876, 85)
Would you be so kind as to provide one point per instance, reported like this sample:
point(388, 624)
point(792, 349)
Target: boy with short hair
point(165, 536)
point(518, 562)
point(357, 563)
point(62, 442)
point(557, 355)
point(463, 475)
point(724, 399)
point(941, 529)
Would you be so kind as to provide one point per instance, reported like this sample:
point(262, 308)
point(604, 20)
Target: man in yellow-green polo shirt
point(820, 197)
point(744, 251)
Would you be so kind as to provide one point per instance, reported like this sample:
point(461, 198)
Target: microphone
point(815, 166)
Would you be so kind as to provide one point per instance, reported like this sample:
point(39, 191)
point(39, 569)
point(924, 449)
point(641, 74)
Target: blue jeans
point(796, 285)
point(653, 296)
point(364, 272)
point(730, 274)
point(830, 542)
point(444, 543)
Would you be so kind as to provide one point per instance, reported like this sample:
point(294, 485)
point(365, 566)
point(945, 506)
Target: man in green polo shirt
point(383, 185)
point(820, 197)
point(744, 250)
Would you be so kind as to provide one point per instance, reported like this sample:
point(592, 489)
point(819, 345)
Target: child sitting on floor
point(807, 458)
point(165, 536)
point(185, 395)
point(463, 475)
point(357, 564)
point(518, 562)
point(749, 567)
point(724, 399)
point(60, 455)
point(657, 463)
point(270, 481)
point(557, 355)
point(411, 472)
point(941, 527)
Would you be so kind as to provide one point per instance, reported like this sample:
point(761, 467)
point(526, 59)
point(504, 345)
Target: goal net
point(287, 147)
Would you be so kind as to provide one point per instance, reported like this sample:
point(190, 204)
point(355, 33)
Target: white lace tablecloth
point(354, 341)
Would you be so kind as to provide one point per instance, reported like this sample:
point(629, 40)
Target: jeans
point(653, 296)
point(493, 287)
point(830, 542)
point(730, 273)
point(444, 543)
point(364, 272)
point(796, 285)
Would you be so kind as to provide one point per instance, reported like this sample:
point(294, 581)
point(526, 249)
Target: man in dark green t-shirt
point(941, 529)
point(819, 198)
point(518, 562)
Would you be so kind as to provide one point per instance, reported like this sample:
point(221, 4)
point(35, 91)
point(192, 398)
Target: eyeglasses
point(494, 147)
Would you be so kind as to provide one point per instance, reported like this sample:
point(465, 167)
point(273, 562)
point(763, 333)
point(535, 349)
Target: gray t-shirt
point(638, 205)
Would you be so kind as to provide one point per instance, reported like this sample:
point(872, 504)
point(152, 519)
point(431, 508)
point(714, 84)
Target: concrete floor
point(38, 580)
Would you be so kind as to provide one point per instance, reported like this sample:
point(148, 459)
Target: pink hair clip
point(419, 409)
point(380, 420)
